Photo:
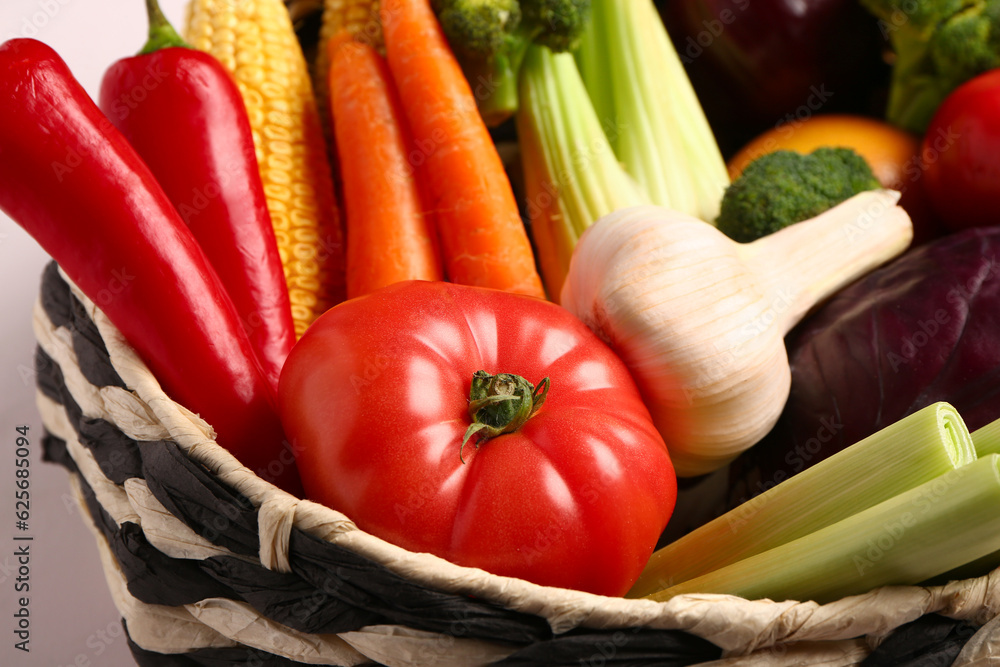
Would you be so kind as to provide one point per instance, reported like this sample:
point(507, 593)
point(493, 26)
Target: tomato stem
point(501, 403)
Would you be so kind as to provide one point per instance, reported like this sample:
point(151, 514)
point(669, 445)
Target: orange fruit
point(893, 154)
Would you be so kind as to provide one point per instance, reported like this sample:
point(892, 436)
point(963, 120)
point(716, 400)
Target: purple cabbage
point(922, 329)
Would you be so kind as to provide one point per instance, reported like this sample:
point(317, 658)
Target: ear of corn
point(360, 18)
point(255, 41)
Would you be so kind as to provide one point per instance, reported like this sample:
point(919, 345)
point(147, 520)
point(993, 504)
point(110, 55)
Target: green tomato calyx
point(500, 404)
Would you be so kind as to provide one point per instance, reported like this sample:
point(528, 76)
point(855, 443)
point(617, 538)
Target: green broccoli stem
point(494, 85)
point(938, 45)
point(571, 174)
point(495, 81)
point(914, 90)
point(656, 123)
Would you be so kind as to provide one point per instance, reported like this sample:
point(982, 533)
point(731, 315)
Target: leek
point(976, 568)
point(987, 439)
point(638, 84)
point(571, 175)
point(916, 449)
point(940, 525)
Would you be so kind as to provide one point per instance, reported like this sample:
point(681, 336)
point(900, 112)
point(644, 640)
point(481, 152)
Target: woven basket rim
point(738, 626)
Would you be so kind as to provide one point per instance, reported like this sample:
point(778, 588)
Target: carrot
point(389, 236)
point(482, 235)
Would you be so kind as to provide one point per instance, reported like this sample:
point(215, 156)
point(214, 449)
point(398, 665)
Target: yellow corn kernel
point(358, 17)
point(255, 41)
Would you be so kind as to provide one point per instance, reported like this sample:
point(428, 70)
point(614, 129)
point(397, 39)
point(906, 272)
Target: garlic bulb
point(700, 320)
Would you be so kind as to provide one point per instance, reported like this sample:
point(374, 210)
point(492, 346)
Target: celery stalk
point(942, 524)
point(900, 457)
point(595, 70)
point(976, 568)
point(572, 177)
point(636, 80)
point(987, 439)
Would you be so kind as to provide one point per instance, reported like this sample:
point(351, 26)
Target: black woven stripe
point(367, 584)
point(332, 589)
point(630, 647)
point(48, 376)
point(190, 493)
point(54, 450)
point(156, 578)
point(292, 600)
point(99, 516)
point(152, 576)
point(65, 310)
point(144, 658)
point(55, 296)
point(930, 641)
point(52, 383)
point(117, 454)
point(209, 657)
point(91, 350)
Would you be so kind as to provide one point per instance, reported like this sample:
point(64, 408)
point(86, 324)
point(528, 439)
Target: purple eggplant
point(759, 63)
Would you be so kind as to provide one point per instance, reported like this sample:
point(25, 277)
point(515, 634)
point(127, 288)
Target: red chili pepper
point(76, 185)
point(183, 114)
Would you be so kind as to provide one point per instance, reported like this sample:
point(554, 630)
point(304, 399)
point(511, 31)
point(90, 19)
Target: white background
point(73, 620)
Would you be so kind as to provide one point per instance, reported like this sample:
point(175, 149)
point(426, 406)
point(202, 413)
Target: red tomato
point(375, 399)
point(961, 155)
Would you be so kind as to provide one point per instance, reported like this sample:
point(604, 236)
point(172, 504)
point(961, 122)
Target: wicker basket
point(210, 565)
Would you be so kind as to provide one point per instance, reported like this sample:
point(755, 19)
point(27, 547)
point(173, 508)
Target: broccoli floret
point(781, 188)
point(557, 24)
point(968, 43)
point(939, 45)
point(478, 28)
point(490, 38)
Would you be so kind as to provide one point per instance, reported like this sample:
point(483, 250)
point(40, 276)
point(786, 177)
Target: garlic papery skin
point(700, 320)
